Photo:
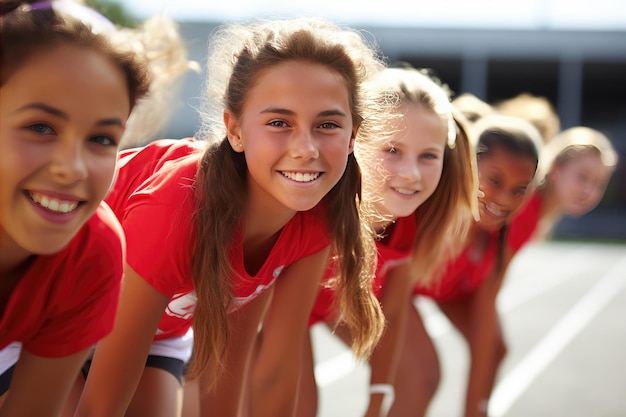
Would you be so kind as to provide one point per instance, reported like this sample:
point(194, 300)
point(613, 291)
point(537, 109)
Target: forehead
point(590, 162)
point(300, 79)
point(72, 79)
point(508, 163)
point(421, 126)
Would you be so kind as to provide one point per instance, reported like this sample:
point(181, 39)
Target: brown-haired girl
point(65, 95)
point(236, 231)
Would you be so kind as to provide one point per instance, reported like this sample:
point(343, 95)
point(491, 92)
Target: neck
point(13, 260)
point(263, 217)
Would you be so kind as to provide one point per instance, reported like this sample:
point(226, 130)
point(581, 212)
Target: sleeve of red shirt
point(158, 223)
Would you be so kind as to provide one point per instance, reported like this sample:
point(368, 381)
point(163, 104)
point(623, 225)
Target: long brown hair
point(238, 55)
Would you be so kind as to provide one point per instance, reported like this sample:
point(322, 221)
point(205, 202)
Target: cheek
point(338, 149)
point(518, 202)
point(102, 173)
point(437, 172)
point(387, 167)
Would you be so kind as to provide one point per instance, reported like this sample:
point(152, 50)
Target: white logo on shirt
point(182, 305)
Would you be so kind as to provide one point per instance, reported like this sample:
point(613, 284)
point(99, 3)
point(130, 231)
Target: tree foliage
point(114, 11)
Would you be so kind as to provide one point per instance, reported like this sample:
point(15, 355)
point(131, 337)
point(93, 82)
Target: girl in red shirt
point(575, 169)
point(234, 232)
point(65, 95)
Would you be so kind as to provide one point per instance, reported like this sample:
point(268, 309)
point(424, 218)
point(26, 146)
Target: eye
point(278, 123)
point(103, 140)
point(329, 125)
point(41, 128)
point(519, 192)
point(430, 156)
point(392, 150)
point(495, 181)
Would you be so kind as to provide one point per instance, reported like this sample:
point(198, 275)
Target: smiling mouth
point(404, 191)
point(54, 205)
point(301, 176)
point(495, 212)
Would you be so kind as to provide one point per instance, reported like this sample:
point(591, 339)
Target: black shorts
point(5, 380)
point(174, 366)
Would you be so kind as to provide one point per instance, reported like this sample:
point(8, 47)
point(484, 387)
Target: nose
point(409, 170)
point(589, 188)
point(302, 145)
point(68, 164)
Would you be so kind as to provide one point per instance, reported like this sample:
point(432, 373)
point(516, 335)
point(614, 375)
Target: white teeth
point(301, 176)
point(494, 211)
point(53, 204)
point(405, 191)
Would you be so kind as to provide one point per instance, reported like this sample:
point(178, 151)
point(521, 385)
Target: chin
point(491, 226)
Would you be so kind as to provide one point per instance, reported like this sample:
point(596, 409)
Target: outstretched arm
point(40, 386)
point(120, 357)
point(231, 389)
point(395, 301)
point(277, 364)
point(477, 319)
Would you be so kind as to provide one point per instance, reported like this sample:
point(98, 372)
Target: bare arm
point(40, 386)
point(477, 319)
point(395, 301)
point(277, 366)
point(228, 396)
point(120, 357)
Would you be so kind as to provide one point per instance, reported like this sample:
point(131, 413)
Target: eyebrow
point(115, 121)
point(287, 112)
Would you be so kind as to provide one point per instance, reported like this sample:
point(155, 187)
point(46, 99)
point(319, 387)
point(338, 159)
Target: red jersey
point(476, 263)
point(154, 198)
point(524, 223)
point(67, 301)
point(392, 250)
point(465, 273)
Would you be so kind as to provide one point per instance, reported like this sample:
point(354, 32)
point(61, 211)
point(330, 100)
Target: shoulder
point(161, 166)
point(524, 224)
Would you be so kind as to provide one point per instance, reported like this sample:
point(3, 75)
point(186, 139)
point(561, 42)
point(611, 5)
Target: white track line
point(517, 380)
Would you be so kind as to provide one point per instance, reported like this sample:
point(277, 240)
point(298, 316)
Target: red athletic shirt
point(156, 212)
point(524, 223)
point(391, 251)
point(465, 273)
point(66, 302)
point(476, 263)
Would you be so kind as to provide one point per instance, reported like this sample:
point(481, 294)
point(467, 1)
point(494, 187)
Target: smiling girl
point(235, 231)
point(65, 96)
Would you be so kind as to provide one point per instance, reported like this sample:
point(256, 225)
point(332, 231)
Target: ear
point(352, 139)
point(233, 131)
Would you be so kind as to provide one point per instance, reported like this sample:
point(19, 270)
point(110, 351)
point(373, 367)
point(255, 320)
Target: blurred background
point(571, 52)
